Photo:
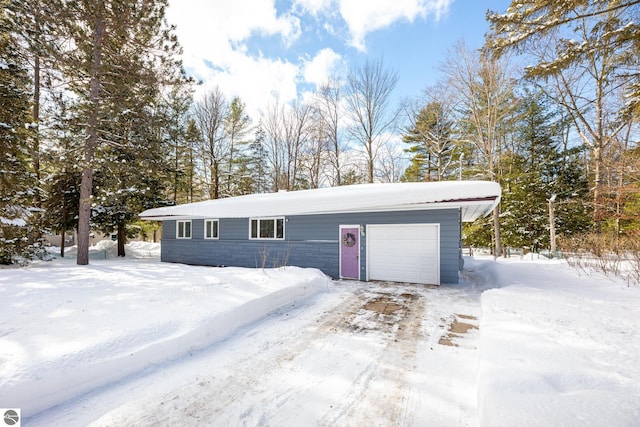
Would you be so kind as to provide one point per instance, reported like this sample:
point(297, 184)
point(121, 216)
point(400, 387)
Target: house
point(402, 232)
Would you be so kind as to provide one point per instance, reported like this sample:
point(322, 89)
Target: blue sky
point(260, 49)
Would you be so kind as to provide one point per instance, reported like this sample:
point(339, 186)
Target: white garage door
point(404, 253)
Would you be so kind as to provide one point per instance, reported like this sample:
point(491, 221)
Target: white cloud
point(213, 34)
point(363, 17)
point(322, 67)
point(257, 81)
point(315, 7)
point(235, 20)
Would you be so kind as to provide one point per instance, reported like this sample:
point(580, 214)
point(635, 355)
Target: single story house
point(401, 232)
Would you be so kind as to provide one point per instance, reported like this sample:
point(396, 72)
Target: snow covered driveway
point(362, 354)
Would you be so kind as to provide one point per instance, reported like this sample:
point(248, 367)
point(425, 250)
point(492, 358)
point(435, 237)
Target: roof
point(474, 198)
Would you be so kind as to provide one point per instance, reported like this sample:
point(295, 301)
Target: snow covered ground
point(137, 342)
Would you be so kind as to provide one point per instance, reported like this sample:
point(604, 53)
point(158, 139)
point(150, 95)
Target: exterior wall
point(310, 241)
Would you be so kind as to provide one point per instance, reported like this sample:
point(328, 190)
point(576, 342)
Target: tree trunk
point(191, 167)
point(175, 174)
point(35, 150)
point(62, 238)
point(597, 188)
point(122, 239)
point(84, 214)
point(496, 231)
point(552, 226)
point(370, 163)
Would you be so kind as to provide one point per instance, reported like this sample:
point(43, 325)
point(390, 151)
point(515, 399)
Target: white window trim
point(205, 228)
point(178, 228)
point(275, 227)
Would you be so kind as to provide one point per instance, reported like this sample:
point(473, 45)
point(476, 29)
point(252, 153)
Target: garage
point(404, 253)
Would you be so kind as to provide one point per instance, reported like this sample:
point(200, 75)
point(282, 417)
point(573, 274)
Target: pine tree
point(62, 182)
point(257, 166)
point(35, 34)
point(485, 92)
point(17, 181)
point(539, 169)
point(527, 23)
point(431, 140)
point(119, 53)
point(192, 138)
point(237, 124)
point(585, 55)
point(62, 202)
point(174, 108)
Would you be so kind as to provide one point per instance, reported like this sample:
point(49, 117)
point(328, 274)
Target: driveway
point(363, 354)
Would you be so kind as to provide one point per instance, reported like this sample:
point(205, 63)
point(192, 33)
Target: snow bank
point(66, 330)
point(557, 349)
point(106, 249)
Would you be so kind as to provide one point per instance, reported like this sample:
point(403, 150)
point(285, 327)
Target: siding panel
point(310, 241)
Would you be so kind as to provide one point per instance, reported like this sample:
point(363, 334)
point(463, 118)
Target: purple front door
point(349, 252)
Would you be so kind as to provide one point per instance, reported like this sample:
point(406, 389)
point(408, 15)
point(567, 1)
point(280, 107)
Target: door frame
point(340, 228)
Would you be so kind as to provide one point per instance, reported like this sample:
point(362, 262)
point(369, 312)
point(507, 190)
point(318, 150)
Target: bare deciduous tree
point(210, 113)
point(369, 89)
point(590, 91)
point(486, 98)
point(328, 100)
point(287, 131)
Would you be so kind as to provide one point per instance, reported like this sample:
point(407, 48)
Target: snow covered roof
point(475, 198)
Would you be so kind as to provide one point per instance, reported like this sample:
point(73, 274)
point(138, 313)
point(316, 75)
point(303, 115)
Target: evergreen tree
point(35, 34)
point(237, 125)
point(258, 172)
point(118, 54)
point(538, 170)
point(485, 95)
point(584, 55)
point(62, 182)
point(528, 23)
point(192, 138)
point(62, 202)
point(132, 180)
point(174, 109)
point(431, 144)
point(17, 180)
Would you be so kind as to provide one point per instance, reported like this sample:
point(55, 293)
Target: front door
point(350, 252)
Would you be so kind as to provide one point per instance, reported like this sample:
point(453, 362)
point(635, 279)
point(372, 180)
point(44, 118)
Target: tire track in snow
point(380, 395)
point(334, 362)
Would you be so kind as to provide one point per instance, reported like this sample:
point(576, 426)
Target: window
point(267, 228)
point(211, 229)
point(184, 229)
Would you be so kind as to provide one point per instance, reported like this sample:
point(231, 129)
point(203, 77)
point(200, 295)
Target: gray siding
point(310, 241)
